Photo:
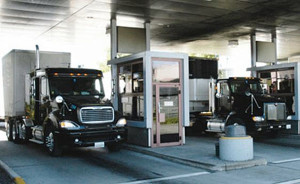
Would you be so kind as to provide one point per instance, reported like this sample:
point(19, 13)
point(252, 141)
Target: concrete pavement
point(197, 152)
point(91, 165)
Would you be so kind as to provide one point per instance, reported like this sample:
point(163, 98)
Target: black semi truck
point(62, 107)
point(242, 101)
point(216, 103)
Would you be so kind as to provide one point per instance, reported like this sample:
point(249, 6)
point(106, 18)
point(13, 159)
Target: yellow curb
point(19, 180)
point(235, 138)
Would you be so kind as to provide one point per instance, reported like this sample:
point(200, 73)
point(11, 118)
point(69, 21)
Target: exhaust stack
point(37, 54)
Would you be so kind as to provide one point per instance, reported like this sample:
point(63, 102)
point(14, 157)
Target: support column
point(113, 39)
point(113, 55)
point(274, 40)
point(253, 53)
point(147, 27)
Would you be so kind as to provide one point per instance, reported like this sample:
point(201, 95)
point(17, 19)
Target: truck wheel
point(114, 146)
point(51, 142)
point(8, 131)
point(15, 133)
point(22, 132)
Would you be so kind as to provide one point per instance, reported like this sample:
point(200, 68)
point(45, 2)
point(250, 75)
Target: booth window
point(280, 83)
point(165, 71)
point(131, 84)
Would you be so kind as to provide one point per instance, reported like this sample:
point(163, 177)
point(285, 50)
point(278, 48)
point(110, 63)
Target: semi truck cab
point(66, 107)
point(243, 101)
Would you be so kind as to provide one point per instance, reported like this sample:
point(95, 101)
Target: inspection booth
point(151, 90)
point(282, 80)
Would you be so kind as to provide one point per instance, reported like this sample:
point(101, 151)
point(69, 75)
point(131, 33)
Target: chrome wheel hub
point(22, 131)
point(50, 142)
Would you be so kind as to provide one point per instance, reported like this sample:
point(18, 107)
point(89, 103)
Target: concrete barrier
point(236, 148)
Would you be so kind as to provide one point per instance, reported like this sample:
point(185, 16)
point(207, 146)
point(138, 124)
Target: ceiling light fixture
point(233, 43)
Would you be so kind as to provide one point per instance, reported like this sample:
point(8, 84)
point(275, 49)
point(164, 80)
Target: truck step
point(36, 141)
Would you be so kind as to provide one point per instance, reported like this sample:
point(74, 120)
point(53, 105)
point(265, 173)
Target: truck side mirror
point(113, 85)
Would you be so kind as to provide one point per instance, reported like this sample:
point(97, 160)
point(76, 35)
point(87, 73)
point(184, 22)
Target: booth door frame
point(157, 85)
point(158, 133)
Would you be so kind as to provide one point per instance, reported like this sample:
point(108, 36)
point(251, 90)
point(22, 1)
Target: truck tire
point(52, 143)
point(15, 133)
point(22, 132)
point(114, 146)
point(8, 130)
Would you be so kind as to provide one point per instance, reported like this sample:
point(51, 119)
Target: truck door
point(36, 99)
point(224, 104)
point(44, 102)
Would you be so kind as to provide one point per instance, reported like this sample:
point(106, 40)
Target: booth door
point(167, 123)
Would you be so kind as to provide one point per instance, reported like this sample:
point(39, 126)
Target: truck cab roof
point(240, 79)
point(68, 72)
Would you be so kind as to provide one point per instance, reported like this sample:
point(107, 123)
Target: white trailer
point(15, 65)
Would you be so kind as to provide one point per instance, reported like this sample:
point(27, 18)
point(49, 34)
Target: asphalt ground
point(94, 165)
point(4, 179)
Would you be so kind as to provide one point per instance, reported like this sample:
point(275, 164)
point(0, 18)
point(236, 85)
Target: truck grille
point(275, 111)
point(96, 114)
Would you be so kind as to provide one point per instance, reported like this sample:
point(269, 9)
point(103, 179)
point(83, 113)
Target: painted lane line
point(290, 182)
point(167, 178)
point(284, 161)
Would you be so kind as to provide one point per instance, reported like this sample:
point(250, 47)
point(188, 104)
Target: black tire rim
point(50, 142)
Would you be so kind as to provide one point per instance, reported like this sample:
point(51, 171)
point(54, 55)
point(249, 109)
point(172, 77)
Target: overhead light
point(233, 43)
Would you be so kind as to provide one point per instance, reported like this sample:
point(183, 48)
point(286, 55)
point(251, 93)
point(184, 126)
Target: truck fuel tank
point(215, 125)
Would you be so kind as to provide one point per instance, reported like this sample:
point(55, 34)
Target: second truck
point(236, 100)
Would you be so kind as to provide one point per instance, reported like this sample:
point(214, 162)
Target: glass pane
point(131, 97)
point(125, 79)
point(154, 129)
point(165, 71)
point(169, 114)
point(281, 84)
point(137, 78)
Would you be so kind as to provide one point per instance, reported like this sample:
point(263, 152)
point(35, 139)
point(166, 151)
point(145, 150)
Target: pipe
point(37, 54)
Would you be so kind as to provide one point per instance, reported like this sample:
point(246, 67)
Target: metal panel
point(275, 111)
point(131, 40)
point(94, 115)
point(266, 52)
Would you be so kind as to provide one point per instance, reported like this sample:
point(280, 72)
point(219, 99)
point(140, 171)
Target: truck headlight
point(121, 122)
point(258, 118)
point(67, 124)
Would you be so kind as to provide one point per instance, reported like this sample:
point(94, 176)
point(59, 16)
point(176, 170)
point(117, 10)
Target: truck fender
point(229, 116)
point(28, 122)
point(51, 119)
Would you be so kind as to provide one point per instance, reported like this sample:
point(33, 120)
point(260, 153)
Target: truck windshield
point(76, 86)
point(240, 87)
